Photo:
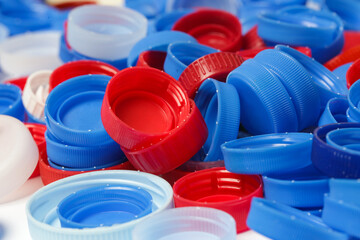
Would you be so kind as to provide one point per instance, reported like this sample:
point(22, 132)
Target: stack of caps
point(75, 137)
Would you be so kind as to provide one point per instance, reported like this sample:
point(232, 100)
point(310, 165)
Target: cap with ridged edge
point(195, 222)
point(352, 75)
point(220, 189)
point(278, 221)
point(341, 215)
point(158, 41)
point(297, 81)
point(334, 112)
point(266, 106)
point(328, 84)
point(37, 132)
point(219, 105)
point(346, 57)
point(215, 65)
point(180, 55)
point(42, 218)
point(301, 188)
point(176, 148)
point(49, 174)
point(10, 101)
point(332, 161)
point(64, 103)
point(268, 154)
point(354, 101)
point(78, 68)
point(82, 157)
point(35, 93)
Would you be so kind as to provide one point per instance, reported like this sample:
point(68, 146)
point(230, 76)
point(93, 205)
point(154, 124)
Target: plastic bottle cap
point(72, 111)
point(115, 29)
point(189, 222)
point(19, 154)
point(335, 111)
point(268, 154)
point(10, 101)
point(166, 21)
point(226, 5)
point(354, 101)
point(350, 55)
point(215, 65)
point(347, 139)
point(142, 105)
point(35, 93)
point(150, 9)
point(215, 28)
point(43, 220)
point(154, 59)
point(251, 40)
point(352, 74)
point(104, 206)
point(220, 189)
point(78, 68)
point(20, 82)
point(219, 104)
point(29, 52)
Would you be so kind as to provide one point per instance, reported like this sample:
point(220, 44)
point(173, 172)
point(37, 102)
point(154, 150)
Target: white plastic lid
point(35, 93)
point(19, 154)
point(26, 53)
point(105, 32)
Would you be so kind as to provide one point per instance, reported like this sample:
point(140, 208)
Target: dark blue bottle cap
point(104, 206)
point(70, 156)
point(10, 101)
point(72, 111)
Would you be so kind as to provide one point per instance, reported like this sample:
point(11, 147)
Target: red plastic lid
point(49, 174)
point(154, 59)
point(176, 148)
point(216, 65)
point(252, 40)
point(37, 131)
point(215, 28)
point(353, 73)
point(352, 39)
point(142, 105)
point(220, 189)
point(348, 56)
point(78, 68)
point(20, 82)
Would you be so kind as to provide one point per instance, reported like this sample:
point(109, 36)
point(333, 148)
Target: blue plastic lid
point(260, 89)
point(347, 139)
point(334, 112)
point(347, 190)
point(10, 101)
point(268, 154)
point(327, 82)
point(341, 72)
point(158, 41)
point(104, 206)
point(166, 21)
point(348, 10)
point(354, 101)
point(31, 119)
point(181, 54)
point(63, 155)
point(219, 105)
point(73, 110)
point(227, 5)
point(150, 9)
point(278, 221)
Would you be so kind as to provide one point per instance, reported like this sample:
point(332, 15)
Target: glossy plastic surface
point(10, 101)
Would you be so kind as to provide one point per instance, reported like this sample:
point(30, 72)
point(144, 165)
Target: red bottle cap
point(49, 174)
point(20, 82)
point(37, 131)
point(154, 59)
point(78, 68)
point(353, 73)
point(346, 57)
point(142, 105)
point(216, 65)
point(181, 144)
point(220, 189)
point(352, 39)
point(252, 40)
point(215, 28)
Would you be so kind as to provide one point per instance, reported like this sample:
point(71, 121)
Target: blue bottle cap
point(227, 5)
point(268, 154)
point(150, 9)
point(157, 41)
point(313, 211)
point(341, 72)
point(281, 222)
point(301, 188)
point(10, 101)
point(332, 161)
point(327, 82)
point(87, 169)
point(354, 101)
point(166, 21)
point(70, 156)
point(334, 112)
point(297, 81)
point(31, 119)
point(43, 219)
point(68, 55)
point(219, 105)
point(104, 206)
point(187, 223)
point(347, 190)
point(72, 110)
point(347, 139)
point(181, 54)
point(260, 89)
